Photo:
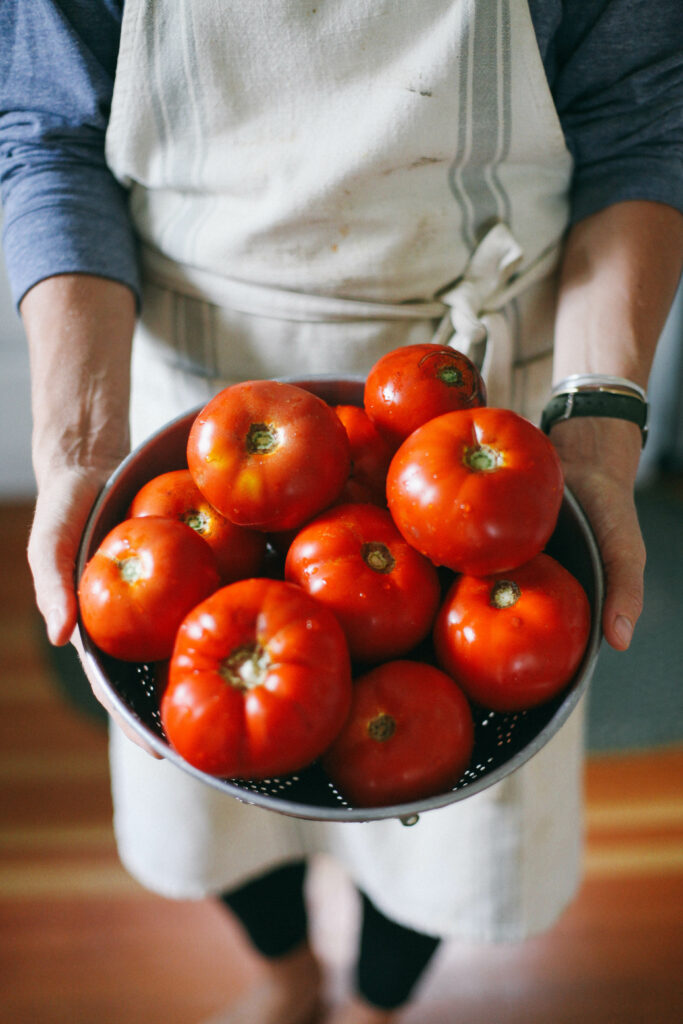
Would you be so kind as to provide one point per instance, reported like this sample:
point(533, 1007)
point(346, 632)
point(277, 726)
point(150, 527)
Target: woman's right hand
point(61, 512)
point(79, 329)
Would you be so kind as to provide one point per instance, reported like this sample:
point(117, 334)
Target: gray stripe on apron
point(193, 77)
point(194, 336)
point(192, 323)
point(487, 61)
point(502, 58)
point(511, 311)
point(455, 172)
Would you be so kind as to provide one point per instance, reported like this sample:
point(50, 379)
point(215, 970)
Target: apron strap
point(278, 303)
point(473, 323)
point(466, 313)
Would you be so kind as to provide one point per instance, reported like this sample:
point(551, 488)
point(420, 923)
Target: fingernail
point(623, 628)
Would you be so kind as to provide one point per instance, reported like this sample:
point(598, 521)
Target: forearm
point(618, 280)
point(79, 331)
point(619, 277)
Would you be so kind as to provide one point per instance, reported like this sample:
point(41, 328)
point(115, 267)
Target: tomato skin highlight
point(140, 583)
point(259, 681)
point(370, 458)
point(414, 383)
point(353, 560)
point(477, 491)
point(239, 552)
point(524, 653)
point(409, 735)
point(268, 455)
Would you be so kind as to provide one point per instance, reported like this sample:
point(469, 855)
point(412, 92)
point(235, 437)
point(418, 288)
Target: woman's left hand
point(600, 460)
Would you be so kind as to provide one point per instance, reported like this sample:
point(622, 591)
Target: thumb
point(623, 554)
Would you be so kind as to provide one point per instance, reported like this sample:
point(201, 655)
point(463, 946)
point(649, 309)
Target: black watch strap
point(613, 404)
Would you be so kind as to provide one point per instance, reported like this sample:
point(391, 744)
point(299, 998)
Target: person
point(259, 189)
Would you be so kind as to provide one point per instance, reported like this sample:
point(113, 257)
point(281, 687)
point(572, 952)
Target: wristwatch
point(596, 395)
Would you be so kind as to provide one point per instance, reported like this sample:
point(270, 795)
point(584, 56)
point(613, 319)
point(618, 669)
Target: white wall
point(16, 474)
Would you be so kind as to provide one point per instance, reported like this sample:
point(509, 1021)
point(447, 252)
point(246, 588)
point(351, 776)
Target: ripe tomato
point(413, 384)
point(514, 640)
point(140, 584)
point(370, 458)
point(259, 681)
point(352, 559)
point(268, 455)
point(409, 735)
point(239, 552)
point(477, 491)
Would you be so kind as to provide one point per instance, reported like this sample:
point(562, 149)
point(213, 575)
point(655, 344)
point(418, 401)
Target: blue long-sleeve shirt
point(615, 69)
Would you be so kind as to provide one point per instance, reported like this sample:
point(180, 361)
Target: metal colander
point(503, 742)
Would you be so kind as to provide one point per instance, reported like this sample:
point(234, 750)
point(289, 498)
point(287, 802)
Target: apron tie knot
point(489, 270)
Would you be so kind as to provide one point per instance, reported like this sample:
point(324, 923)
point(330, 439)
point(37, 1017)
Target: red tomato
point(268, 455)
point(140, 584)
point(259, 681)
point(514, 640)
point(409, 735)
point(370, 458)
point(384, 593)
point(477, 491)
point(413, 384)
point(239, 552)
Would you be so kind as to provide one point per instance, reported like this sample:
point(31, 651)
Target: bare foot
point(357, 1011)
point(288, 991)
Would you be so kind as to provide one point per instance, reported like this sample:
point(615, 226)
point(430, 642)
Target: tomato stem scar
point(246, 666)
point(504, 594)
point(261, 437)
point(382, 727)
point(130, 568)
point(482, 459)
point(450, 376)
point(199, 521)
point(378, 556)
point(447, 373)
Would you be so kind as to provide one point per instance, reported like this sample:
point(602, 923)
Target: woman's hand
point(79, 330)
point(618, 279)
point(600, 460)
point(61, 512)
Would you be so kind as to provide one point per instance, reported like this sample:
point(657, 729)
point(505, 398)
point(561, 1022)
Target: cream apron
point(313, 185)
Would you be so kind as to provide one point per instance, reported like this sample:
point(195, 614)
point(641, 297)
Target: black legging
point(391, 958)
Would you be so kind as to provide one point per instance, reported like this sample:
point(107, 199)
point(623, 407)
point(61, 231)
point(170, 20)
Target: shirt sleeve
point(63, 210)
point(615, 68)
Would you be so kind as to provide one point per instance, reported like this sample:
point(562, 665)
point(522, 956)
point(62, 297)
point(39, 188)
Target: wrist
point(597, 396)
point(600, 446)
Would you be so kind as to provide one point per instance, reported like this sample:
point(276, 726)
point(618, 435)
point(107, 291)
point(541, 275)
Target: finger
point(623, 553)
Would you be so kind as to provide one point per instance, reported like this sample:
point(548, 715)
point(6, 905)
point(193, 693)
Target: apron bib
point(311, 188)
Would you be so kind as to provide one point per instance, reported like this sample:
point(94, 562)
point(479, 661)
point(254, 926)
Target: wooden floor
point(81, 943)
